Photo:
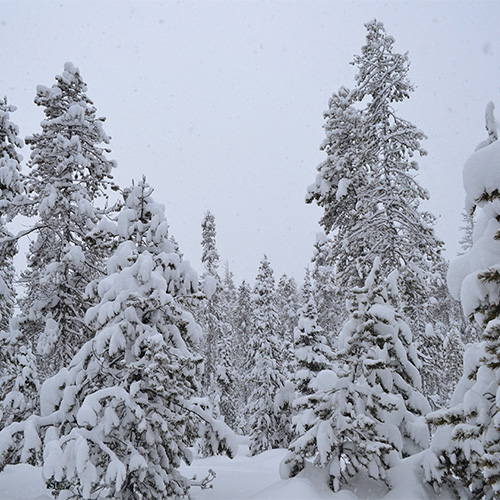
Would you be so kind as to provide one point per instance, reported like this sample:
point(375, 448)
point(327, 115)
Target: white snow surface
point(251, 478)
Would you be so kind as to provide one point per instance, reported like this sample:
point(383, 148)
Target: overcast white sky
point(220, 104)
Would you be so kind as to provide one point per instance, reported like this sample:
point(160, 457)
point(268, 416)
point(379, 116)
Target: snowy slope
point(248, 478)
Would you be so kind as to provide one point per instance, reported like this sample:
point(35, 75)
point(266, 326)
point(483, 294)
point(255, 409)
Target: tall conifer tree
point(367, 185)
point(69, 172)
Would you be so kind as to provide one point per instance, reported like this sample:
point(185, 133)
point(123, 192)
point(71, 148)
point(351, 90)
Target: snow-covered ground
point(247, 478)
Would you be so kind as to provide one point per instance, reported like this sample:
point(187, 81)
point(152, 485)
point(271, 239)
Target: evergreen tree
point(118, 421)
point(69, 171)
point(242, 355)
point(342, 176)
point(312, 356)
point(217, 343)
point(266, 376)
point(453, 460)
point(404, 239)
point(367, 186)
point(327, 295)
point(19, 383)
point(465, 450)
point(446, 314)
point(18, 376)
point(430, 347)
point(229, 292)
point(369, 411)
point(307, 286)
point(312, 353)
point(11, 191)
point(453, 352)
point(288, 305)
point(467, 231)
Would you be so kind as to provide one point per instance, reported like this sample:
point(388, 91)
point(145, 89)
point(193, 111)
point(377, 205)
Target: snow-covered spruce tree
point(11, 190)
point(312, 354)
point(306, 290)
point(243, 321)
point(18, 376)
point(467, 231)
point(229, 292)
point(207, 316)
point(269, 424)
point(368, 412)
point(402, 235)
point(465, 449)
point(342, 176)
point(453, 353)
point(217, 342)
point(117, 422)
point(19, 383)
point(367, 184)
point(327, 295)
point(287, 301)
point(69, 171)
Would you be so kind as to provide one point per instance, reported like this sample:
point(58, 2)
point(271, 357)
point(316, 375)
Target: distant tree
point(368, 411)
point(216, 321)
point(467, 230)
point(243, 322)
point(329, 298)
point(69, 172)
point(431, 344)
point(229, 292)
point(117, 422)
point(208, 317)
point(453, 352)
point(266, 376)
point(307, 286)
point(288, 304)
point(446, 314)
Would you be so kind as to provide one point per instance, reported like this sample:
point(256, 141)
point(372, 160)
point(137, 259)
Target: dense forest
point(117, 360)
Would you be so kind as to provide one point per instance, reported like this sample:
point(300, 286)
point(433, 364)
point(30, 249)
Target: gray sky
point(220, 104)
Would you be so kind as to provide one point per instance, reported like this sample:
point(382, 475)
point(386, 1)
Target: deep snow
point(249, 478)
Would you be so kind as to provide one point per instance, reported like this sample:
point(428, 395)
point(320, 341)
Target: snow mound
point(255, 478)
point(23, 482)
